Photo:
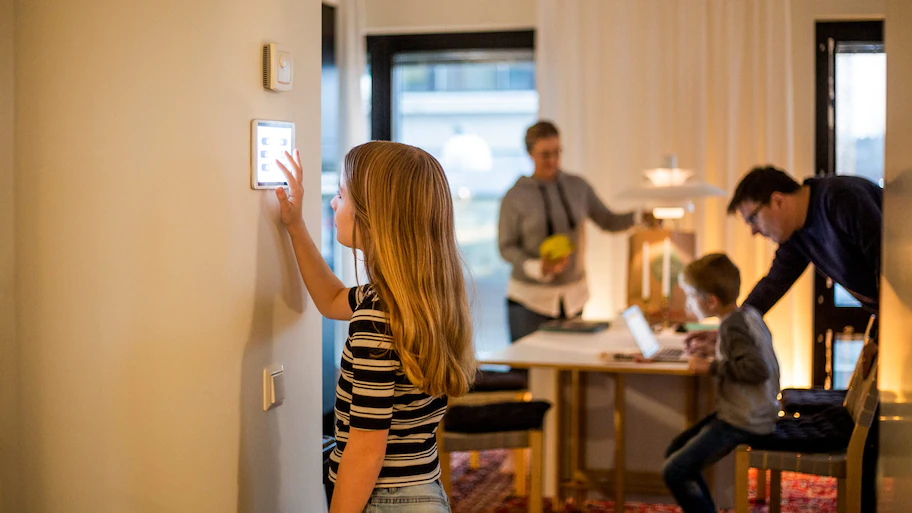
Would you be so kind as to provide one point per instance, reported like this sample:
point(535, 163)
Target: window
point(467, 99)
point(851, 115)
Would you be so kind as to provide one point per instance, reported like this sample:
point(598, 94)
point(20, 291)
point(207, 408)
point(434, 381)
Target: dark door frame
point(382, 49)
point(827, 317)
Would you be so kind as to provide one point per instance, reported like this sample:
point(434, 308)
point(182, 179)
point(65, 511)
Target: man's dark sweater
point(841, 237)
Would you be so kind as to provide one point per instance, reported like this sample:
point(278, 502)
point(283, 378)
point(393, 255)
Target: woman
point(547, 203)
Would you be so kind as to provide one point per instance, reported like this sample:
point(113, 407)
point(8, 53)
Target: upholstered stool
point(498, 387)
point(507, 425)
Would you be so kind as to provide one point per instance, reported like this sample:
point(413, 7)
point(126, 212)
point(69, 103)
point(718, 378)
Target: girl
point(409, 345)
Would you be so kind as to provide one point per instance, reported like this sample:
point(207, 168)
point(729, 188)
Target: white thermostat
point(278, 68)
point(269, 140)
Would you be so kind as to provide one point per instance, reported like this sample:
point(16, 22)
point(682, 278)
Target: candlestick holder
point(665, 310)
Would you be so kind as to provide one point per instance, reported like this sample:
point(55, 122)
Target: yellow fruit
point(555, 247)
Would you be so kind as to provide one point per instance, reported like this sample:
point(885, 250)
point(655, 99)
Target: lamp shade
point(673, 193)
point(670, 186)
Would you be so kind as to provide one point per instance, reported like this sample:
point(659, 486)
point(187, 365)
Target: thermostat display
point(269, 142)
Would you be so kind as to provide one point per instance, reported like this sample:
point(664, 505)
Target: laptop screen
point(641, 331)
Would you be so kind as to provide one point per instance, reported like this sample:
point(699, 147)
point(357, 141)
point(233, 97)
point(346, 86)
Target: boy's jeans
point(700, 446)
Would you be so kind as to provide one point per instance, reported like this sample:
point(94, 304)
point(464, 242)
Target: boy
point(747, 375)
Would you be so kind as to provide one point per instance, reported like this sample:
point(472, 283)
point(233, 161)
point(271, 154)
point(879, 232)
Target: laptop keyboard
point(668, 353)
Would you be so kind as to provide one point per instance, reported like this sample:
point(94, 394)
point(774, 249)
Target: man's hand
point(701, 343)
point(554, 266)
point(699, 365)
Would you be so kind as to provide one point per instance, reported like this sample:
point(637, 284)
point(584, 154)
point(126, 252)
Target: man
point(833, 222)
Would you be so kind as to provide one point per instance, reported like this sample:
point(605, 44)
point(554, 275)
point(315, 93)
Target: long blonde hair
point(403, 211)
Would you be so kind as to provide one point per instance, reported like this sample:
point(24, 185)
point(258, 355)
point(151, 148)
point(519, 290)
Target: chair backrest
point(861, 406)
point(869, 329)
point(857, 378)
point(863, 399)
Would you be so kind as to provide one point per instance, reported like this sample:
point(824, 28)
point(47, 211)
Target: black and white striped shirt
point(374, 394)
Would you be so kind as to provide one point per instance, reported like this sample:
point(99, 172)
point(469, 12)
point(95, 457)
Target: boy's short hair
point(760, 184)
point(714, 274)
point(541, 130)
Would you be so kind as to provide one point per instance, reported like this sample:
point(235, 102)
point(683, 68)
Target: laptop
point(646, 340)
point(575, 326)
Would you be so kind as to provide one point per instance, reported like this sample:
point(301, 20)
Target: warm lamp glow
point(667, 177)
point(668, 212)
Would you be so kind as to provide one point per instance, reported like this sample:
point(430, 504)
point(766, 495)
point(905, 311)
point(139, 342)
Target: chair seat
point(495, 417)
point(810, 400)
point(821, 464)
point(456, 442)
point(826, 431)
point(493, 381)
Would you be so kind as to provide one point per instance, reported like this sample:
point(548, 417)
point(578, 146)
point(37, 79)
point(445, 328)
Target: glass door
point(851, 115)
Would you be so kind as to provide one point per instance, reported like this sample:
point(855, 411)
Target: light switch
point(273, 386)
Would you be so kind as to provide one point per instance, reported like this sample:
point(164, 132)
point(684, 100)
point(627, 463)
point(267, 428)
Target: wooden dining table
point(549, 355)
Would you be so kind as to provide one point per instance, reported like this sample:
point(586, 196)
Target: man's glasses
point(753, 215)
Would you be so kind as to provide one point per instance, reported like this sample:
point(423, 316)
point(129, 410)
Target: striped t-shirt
point(374, 394)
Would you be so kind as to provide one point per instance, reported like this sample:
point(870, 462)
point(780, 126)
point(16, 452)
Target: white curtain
point(708, 80)
point(352, 66)
point(353, 127)
point(352, 116)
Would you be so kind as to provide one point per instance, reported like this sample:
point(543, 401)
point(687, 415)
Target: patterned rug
point(488, 490)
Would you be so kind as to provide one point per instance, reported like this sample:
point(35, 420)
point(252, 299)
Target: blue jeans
point(707, 442)
point(426, 498)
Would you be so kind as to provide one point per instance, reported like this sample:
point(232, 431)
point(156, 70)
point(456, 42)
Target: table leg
point(619, 454)
point(575, 424)
point(544, 384)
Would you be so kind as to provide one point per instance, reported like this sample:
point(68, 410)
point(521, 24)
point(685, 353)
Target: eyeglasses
point(550, 154)
point(753, 215)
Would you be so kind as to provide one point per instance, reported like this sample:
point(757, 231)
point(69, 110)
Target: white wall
point(895, 465)
point(153, 284)
point(9, 387)
point(429, 16)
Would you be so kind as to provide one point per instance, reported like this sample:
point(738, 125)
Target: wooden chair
point(845, 464)
point(492, 428)
point(803, 401)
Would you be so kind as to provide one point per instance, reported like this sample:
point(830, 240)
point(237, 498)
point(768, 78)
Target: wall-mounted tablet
point(269, 140)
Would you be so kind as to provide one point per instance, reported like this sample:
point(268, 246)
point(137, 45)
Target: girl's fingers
point(288, 177)
point(280, 193)
point(296, 164)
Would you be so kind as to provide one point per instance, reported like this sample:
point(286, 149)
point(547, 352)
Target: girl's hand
point(290, 202)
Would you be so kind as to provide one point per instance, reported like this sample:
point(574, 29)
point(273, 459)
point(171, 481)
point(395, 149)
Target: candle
point(666, 269)
point(646, 284)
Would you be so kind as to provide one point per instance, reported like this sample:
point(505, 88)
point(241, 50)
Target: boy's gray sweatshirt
point(523, 223)
point(748, 373)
